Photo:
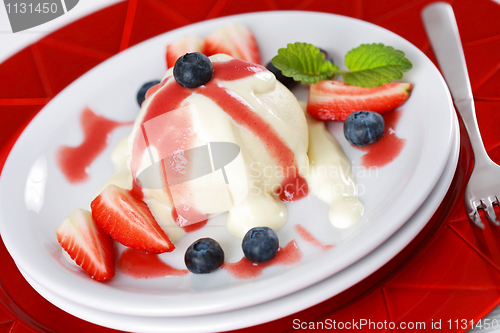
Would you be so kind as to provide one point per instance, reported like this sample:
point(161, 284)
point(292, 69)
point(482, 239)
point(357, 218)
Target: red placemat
point(449, 273)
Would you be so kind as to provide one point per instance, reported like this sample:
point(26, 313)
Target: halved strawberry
point(87, 244)
point(186, 44)
point(129, 221)
point(335, 100)
point(235, 40)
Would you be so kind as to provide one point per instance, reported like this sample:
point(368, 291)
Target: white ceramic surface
point(391, 194)
point(283, 306)
point(15, 42)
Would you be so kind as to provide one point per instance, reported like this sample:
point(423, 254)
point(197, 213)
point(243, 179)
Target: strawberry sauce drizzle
point(152, 90)
point(245, 269)
point(74, 161)
point(388, 147)
point(155, 88)
point(143, 265)
point(180, 220)
point(294, 186)
point(172, 95)
point(136, 191)
point(308, 237)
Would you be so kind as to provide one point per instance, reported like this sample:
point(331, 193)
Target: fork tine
point(490, 211)
point(474, 216)
point(471, 208)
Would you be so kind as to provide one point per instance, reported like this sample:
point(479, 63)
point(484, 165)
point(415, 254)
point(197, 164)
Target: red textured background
point(450, 271)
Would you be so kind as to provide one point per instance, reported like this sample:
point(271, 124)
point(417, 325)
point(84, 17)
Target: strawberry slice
point(235, 40)
point(186, 44)
point(87, 244)
point(335, 100)
point(129, 221)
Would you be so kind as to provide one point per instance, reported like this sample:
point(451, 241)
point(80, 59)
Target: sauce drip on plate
point(74, 161)
point(143, 265)
point(385, 150)
point(245, 269)
point(308, 237)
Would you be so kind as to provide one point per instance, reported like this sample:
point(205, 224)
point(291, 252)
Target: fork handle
point(468, 114)
point(441, 27)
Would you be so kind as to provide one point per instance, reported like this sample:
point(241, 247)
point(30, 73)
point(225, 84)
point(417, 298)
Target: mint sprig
point(369, 65)
point(374, 64)
point(304, 62)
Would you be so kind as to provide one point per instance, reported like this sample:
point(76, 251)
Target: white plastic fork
point(483, 188)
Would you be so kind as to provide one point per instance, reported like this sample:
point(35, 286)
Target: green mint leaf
point(305, 63)
point(371, 65)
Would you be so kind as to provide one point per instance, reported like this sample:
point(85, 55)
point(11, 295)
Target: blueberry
point(363, 128)
point(288, 82)
point(204, 256)
point(193, 70)
point(260, 244)
point(141, 94)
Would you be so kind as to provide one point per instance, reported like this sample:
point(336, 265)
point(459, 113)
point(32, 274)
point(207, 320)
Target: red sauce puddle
point(308, 237)
point(143, 265)
point(388, 147)
point(74, 161)
point(245, 269)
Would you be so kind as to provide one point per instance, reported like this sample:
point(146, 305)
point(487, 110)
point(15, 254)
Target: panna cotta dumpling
point(174, 167)
point(242, 104)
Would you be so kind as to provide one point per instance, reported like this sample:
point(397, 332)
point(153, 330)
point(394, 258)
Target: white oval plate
point(283, 306)
point(391, 194)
